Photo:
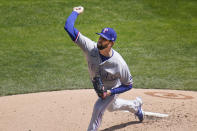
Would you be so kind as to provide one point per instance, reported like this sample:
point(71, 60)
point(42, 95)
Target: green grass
point(157, 38)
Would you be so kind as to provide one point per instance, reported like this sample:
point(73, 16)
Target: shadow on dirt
point(123, 125)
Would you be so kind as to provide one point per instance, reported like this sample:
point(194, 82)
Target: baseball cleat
point(140, 113)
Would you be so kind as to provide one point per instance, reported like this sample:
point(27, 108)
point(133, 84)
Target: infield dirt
point(71, 110)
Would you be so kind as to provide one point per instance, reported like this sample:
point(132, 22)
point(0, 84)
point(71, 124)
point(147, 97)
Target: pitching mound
point(71, 111)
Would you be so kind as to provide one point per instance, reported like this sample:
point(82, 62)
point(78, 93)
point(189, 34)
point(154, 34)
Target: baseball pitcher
point(108, 71)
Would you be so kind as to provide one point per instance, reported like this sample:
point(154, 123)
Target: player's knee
point(98, 108)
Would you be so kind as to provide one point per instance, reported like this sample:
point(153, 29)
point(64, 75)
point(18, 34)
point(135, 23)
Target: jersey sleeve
point(125, 75)
point(120, 89)
point(85, 43)
point(69, 26)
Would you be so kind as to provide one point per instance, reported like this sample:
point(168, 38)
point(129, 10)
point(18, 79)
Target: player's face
point(102, 43)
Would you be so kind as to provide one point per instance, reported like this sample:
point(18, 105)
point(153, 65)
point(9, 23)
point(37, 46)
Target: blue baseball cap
point(108, 33)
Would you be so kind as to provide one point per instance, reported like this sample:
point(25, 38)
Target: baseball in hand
point(78, 9)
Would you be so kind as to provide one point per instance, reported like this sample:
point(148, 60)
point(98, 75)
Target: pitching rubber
point(153, 114)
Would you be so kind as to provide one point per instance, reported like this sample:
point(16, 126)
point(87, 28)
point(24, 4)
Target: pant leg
point(98, 111)
point(125, 105)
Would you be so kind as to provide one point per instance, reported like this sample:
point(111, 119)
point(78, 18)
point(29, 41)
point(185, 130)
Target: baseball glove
point(99, 87)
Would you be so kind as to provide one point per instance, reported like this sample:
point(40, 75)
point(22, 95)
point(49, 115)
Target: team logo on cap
point(105, 30)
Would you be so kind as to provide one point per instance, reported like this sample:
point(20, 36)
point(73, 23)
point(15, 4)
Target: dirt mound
point(71, 111)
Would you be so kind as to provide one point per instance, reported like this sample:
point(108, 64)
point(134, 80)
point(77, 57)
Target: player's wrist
point(75, 12)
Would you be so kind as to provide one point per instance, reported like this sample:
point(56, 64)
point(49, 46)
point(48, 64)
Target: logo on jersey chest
point(108, 76)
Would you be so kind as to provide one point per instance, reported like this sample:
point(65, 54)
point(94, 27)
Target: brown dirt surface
point(71, 110)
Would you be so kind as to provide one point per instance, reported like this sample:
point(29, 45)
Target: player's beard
point(101, 47)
